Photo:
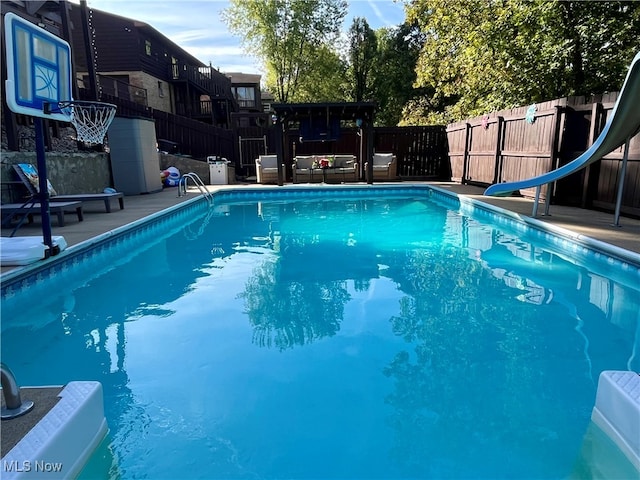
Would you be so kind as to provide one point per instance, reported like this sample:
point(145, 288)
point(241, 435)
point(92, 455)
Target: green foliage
point(286, 35)
point(482, 55)
point(324, 80)
point(363, 47)
point(394, 72)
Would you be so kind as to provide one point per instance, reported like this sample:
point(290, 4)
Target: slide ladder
point(621, 126)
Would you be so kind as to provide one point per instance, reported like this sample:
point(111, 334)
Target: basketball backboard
point(38, 69)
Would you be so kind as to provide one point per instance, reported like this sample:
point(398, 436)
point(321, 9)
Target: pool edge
point(625, 257)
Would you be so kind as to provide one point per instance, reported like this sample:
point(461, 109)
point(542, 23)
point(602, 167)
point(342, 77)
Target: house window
point(160, 90)
point(246, 96)
point(174, 67)
point(147, 47)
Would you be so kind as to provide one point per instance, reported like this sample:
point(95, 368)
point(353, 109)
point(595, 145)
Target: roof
point(239, 77)
point(344, 110)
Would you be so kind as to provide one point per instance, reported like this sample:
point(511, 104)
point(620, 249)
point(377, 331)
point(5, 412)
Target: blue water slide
point(623, 124)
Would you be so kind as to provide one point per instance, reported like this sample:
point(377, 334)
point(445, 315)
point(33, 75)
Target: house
point(246, 90)
point(131, 64)
point(132, 60)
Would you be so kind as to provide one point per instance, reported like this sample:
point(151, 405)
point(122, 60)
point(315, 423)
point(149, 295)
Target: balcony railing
point(247, 103)
point(117, 88)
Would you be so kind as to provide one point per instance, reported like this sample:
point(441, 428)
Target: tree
point(394, 71)
point(325, 80)
point(483, 55)
point(286, 35)
point(362, 54)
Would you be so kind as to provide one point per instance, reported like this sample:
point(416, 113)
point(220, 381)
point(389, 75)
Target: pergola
point(319, 120)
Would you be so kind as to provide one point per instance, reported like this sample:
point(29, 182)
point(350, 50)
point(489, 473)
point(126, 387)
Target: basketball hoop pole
point(42, 182)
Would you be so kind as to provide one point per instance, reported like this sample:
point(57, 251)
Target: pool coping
point(626, 258)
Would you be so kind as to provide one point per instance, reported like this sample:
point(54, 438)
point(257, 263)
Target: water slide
point(623, 123)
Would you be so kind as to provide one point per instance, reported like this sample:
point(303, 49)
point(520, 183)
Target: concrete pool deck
point(591, 223)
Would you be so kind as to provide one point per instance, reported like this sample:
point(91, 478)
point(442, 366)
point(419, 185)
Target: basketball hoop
point(90, 119)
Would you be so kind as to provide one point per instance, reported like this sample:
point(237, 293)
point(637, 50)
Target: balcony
point(119, 89)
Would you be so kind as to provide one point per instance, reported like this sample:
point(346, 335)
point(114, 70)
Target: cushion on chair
point(303, 163)
point(267, 161)
point(344, 161)
point(380, 159)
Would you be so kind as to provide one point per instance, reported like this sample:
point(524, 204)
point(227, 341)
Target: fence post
point(465, 157)
point(497, 162)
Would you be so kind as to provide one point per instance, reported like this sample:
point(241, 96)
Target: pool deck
point(593, 224)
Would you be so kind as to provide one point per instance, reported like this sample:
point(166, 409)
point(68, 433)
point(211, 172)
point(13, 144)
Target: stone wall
point(84, 172)
point(69, 173)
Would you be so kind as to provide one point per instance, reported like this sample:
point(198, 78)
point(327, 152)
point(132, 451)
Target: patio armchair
point(385, 167)
point(267, 169)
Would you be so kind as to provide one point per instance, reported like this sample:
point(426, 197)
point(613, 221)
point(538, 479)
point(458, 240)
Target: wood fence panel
point(482, 145)
point(527, 148)
point(578, 134)
point(457, 141)
point(420, 151)
point(606, 192)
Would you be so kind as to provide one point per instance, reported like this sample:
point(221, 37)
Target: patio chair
point(267, 169)
point(29, 177)
point(384, 167)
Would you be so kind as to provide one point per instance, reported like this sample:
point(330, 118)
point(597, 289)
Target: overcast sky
point(196, 26)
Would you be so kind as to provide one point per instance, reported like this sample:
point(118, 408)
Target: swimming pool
point(340, 333)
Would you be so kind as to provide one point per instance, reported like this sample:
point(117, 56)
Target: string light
point(94, 54)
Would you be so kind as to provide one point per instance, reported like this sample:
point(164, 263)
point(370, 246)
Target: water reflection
point(482, 305)
point(299, 294)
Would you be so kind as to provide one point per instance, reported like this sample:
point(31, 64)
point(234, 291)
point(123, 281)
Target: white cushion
point(268, 161)
point(382, 158)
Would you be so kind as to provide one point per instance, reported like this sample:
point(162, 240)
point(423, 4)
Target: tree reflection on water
point(288, 313)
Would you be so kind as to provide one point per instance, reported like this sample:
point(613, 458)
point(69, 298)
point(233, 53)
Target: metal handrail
point(197, 181)
point(11, 391)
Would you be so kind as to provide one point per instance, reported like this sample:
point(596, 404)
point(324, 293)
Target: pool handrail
point(197, 181)
point(15, 407)
point(623, 124)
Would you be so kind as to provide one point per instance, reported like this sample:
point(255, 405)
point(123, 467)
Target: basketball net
point(91, 120)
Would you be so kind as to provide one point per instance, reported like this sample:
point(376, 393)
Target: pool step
point(617, 411)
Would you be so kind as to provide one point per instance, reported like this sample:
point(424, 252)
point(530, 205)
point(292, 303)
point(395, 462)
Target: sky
point(196, 26)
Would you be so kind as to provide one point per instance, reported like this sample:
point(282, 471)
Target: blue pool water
point(360, 336)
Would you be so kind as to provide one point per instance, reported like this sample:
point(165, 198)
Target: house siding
point(116, 42)
point(150, 84)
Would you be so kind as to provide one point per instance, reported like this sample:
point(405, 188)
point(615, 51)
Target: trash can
point(134, 156)
point(218, 171)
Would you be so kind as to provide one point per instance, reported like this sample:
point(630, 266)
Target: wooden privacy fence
point(528, 141)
